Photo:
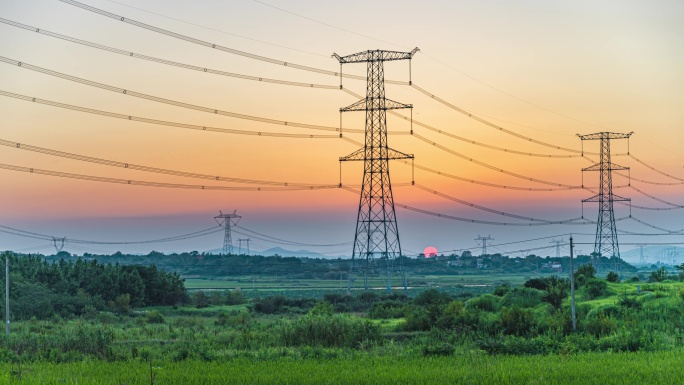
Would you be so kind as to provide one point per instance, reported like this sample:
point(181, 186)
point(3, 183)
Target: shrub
point(501, 290)
point(485, 302)
point(658, 275)
point(387, 309)
point(234, 319)
point(516, 321)
point(556, 292)
point(613, 277)
point(601, 325)
point(438, 349)
point(200, 299)
point(432, 297)
point(122, 304)
point(635, 279)
point(584, 273)
point(322, 309)
point(417, 319)
point(329, 331)
point(523, 297)
point(537, 283)
point(235, 297)
point(595, 288)
point(154, 317)
point(630, 303)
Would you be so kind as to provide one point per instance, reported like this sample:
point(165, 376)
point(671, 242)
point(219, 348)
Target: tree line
point(42, 289)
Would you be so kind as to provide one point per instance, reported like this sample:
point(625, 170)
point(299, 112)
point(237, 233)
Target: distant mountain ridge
point(283, 253)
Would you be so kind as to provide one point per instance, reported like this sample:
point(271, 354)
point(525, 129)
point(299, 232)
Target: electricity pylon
point(58, 243)
point(247, 241)
point(558, 245)
point(228, 220)
point(377, 234)
point(484, 241)
point(606, 242)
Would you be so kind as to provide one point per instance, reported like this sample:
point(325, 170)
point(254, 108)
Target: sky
point(544, 69)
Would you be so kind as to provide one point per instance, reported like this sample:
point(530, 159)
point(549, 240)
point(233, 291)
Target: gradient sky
point(608, 65)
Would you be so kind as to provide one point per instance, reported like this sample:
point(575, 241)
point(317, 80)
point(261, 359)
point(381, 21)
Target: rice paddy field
point(589, 368)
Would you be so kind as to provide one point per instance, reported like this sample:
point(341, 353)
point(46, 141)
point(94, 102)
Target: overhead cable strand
point(130, 166)
point(194, 234)
point(162, 122)
point(486, 165)
point(488, 184)
point(495, 126)
point(169, 101)
point(218, 46)
point(163, 61)
point(655, 169)
point(656, 227)
point(158, 184)
point(283, 242)
point(674, 205)
point(487, 209)
point(293, 242)
point(466, 140)
point(574, 221)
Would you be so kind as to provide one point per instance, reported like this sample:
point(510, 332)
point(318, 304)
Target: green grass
point(587, 369)
point(270, 282)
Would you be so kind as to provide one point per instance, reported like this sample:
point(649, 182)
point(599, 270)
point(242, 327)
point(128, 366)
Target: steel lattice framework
point(606, 242)
point(227, 221)
point(377, 234)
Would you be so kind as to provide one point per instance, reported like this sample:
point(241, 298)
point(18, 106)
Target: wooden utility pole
point(7, 324)
point(572, 288)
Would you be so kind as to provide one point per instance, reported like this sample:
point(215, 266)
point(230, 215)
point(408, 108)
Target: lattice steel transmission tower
point(606, 242)
point(227, 221)
point(484, 241)
point(58, 243)
point(558, 245)
point(377, 234)
point(247, 242)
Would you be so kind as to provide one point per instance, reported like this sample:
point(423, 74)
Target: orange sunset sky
point(544, 69)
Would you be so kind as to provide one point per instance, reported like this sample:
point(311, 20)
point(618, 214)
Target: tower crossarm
point(370, 104)
point(612, 197)
point(605, 167)
point(605, 135)
point(360, 155)
point(375, 55)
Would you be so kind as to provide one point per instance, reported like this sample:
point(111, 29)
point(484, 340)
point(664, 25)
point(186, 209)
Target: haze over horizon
point(545, 70)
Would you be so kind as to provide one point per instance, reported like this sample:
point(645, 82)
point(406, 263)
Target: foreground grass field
point(590, 368)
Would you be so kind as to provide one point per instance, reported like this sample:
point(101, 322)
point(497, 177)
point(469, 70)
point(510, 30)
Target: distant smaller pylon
point(227, 221)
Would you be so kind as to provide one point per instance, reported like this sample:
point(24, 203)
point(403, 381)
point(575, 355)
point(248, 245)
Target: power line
point(312, 69)
point(469, 141)
point(159, 184)
point(483, 208)
point(277, 81)
point(293, 242)
point(195, 234)
point(156, 170)
point(169, 101)
point(493, 185)
point(217, 30)
point(490, 124)
point(209, 45)
point(163, 61)
point(162, 122)
point(434, 59)
point(656, 170)
point(674, 205)
point(483, 164)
